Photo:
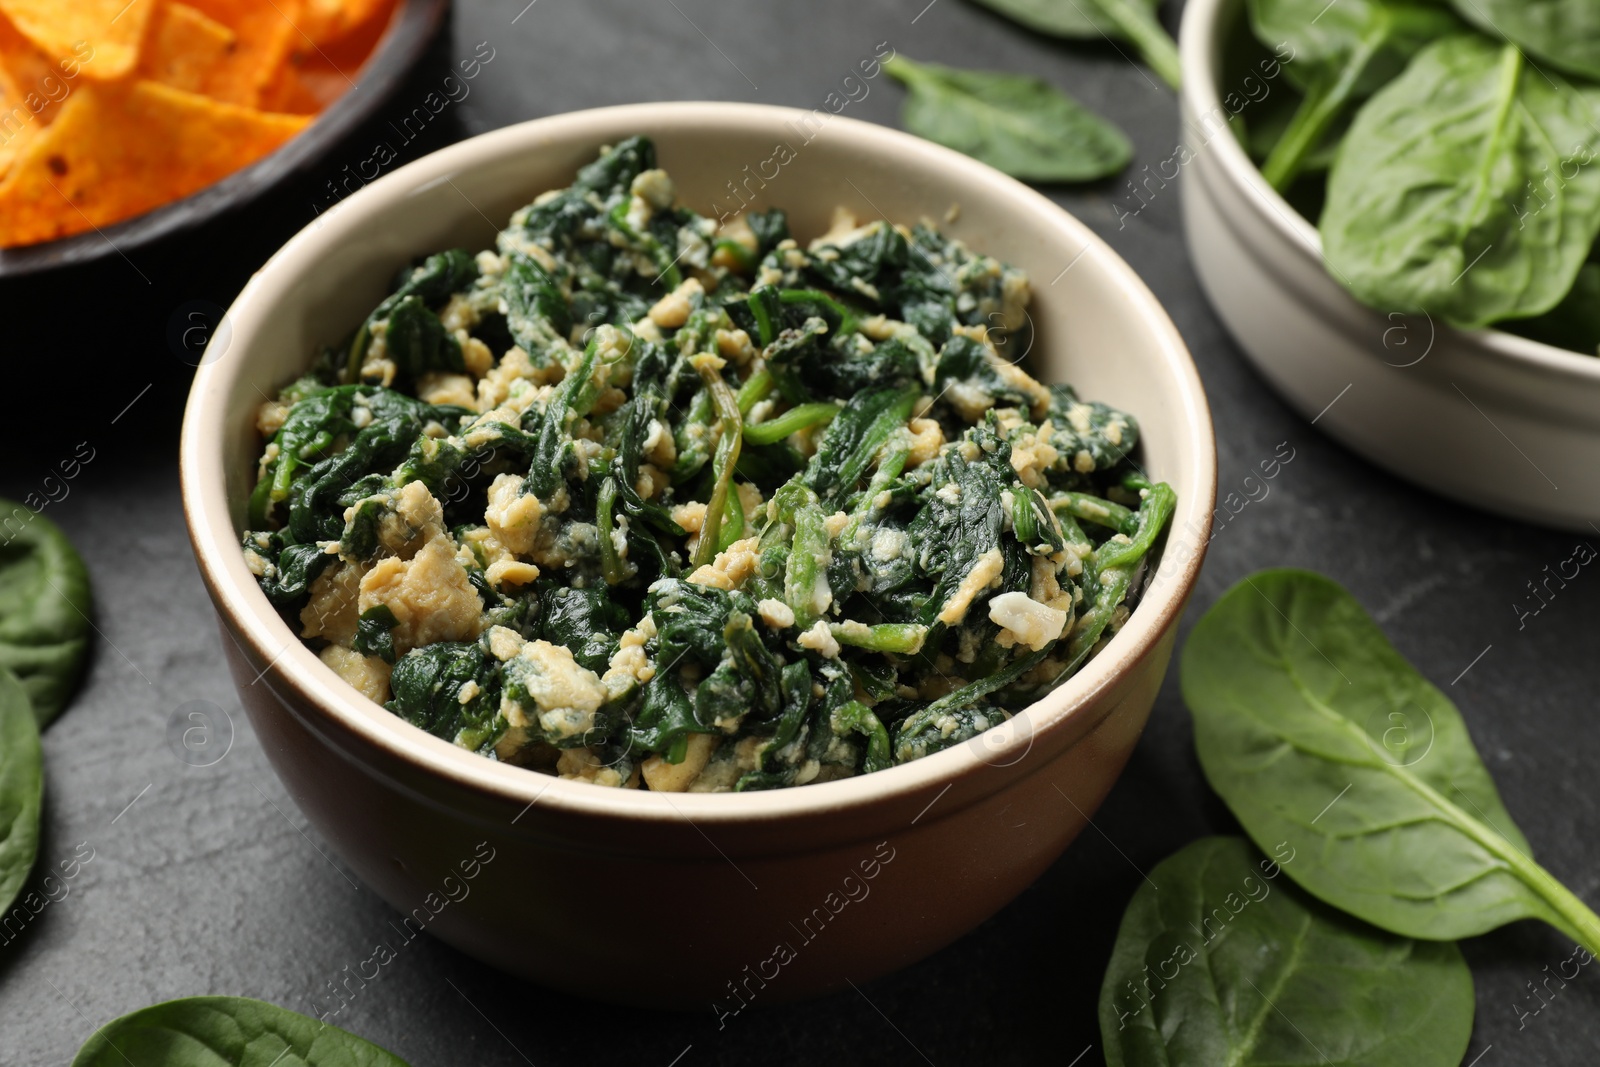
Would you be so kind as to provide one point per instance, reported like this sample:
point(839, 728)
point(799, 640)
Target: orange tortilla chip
point(326, 21)
point(307, 84)
point(115, 151)
point(293, 92)
point(18, 63)
point(31, 84)
point(187, 50)
point(320, 71)
point(266, 32)
point(13, 143)
point(103, 35)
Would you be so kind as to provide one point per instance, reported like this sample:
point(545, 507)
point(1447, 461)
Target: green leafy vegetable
point(1267, 128)
point(373, 637)
point(1461, 179)
point(226, 1032)
point(787, 522)
point(1462, 189)
point(1132, 20)
point(791, 421)
point(1565, 32)
point(1109, 572)
point(1016, 123)
point(428, 684)
point(730, 438)
point(1319, 35)
point(946, 727)
point(417, 341)
point(854, 438)
point(1217, 961)
point(45, 607)
point(1343, 53)
point(1575, 322)
point(21, 788)
point(414, 339)
point(1315, 731)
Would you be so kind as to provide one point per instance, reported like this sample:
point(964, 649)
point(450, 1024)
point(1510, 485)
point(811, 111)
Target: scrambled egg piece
point(565, 694)
point(369, 674)
point(430, 594)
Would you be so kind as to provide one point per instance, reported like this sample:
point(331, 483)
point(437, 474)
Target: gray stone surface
point(208, 880)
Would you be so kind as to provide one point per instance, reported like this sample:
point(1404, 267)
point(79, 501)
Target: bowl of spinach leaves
point(747, 896)
point(1394, 208)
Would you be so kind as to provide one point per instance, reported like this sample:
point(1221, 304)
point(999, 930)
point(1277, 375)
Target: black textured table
point(207, 879)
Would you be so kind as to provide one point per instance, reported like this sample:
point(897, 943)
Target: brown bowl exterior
point(690, 900)
point(689, 917)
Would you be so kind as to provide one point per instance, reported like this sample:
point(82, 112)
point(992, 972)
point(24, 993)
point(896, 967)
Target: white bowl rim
point(1199, 38)
point(237, 596)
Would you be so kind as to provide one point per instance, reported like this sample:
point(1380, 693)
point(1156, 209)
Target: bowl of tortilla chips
point(122, 121)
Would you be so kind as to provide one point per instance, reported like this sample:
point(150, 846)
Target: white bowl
point(1485, 417)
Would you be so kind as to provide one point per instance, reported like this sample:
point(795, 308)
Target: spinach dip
point(647, 502)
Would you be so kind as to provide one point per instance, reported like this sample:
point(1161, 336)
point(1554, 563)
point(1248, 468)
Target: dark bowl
point(411, 27)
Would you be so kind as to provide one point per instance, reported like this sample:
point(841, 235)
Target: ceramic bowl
point(689, 899)
point(1485, 417)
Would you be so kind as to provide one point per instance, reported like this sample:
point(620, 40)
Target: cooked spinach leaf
point(1109, 572)
point(215, 1031)
point(452, 690)
point(791, 520)
point(1316, 731)
point(373, 637)
point(417, 342)
point(1131, 20)
point(45, 607)
point(21, 788)
point(1439, 201)
point(1220, 961)
point(1014, 122)
point(413, 337)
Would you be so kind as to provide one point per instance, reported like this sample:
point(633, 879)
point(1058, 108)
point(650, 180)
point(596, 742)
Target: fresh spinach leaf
point(1218, 961)
point(226, 1031)
point(1316, 731)
point(1342, 54)
point(21, 788)
point(1268, 128)
point(1572, 324)
point(1131, 20)
point(1565, 32)
point(45, 606)
point(1322, 35)
point(1062, 19)
point(1462, 190)
point(1016, 123)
